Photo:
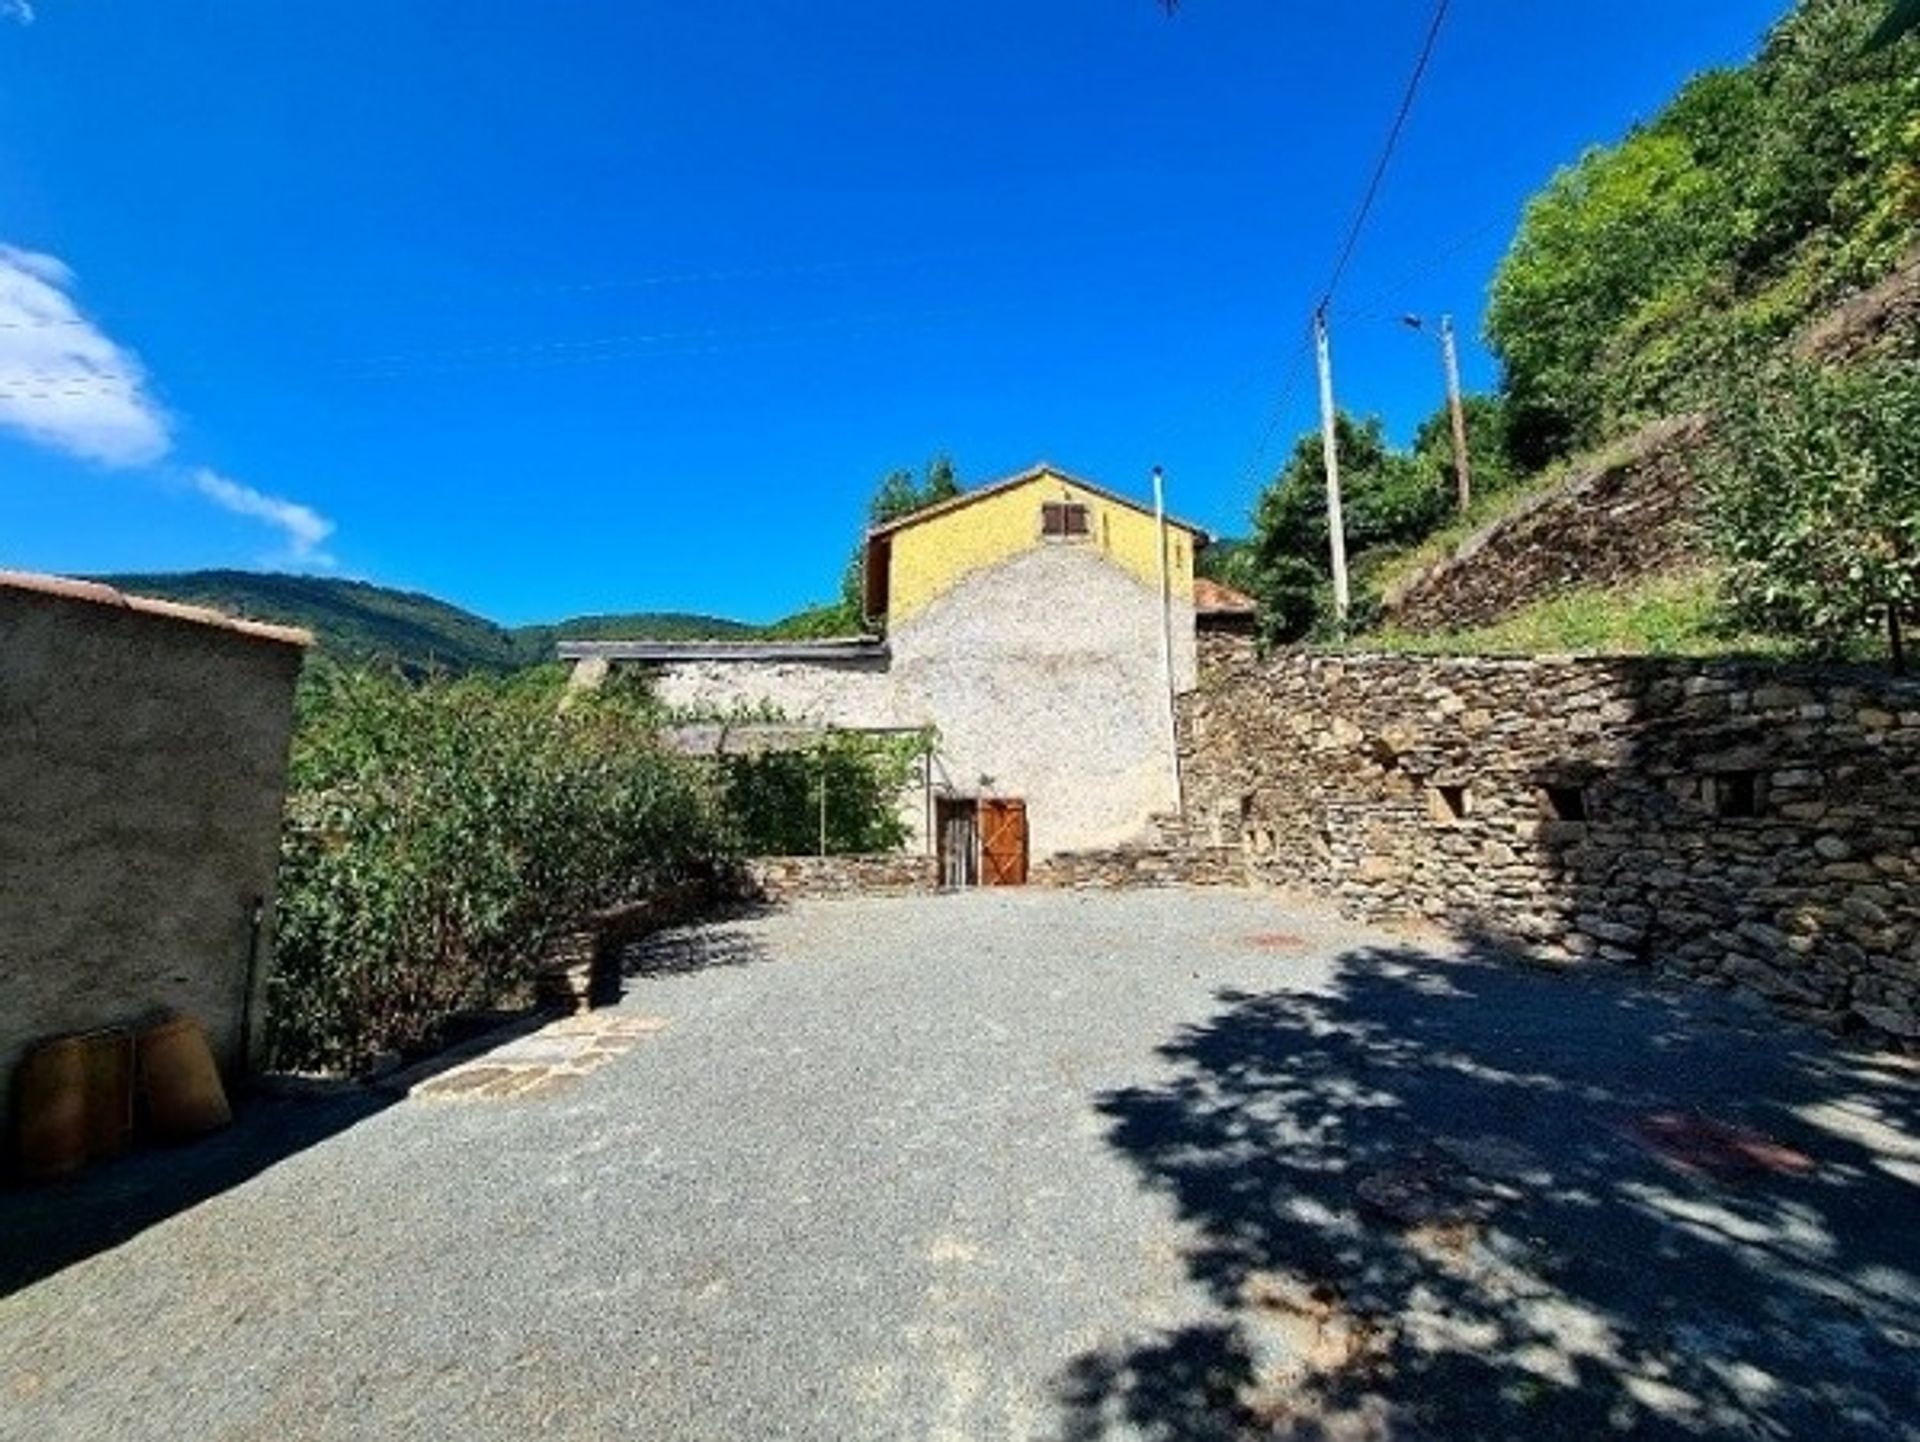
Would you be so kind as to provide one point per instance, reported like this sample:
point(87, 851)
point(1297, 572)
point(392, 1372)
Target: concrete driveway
point(1169, 1165)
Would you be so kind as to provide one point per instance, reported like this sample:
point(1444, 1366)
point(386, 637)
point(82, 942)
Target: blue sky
point(574, 307)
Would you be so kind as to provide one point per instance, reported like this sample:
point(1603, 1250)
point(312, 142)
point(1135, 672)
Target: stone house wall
point(1746, 826)
point(143, 759)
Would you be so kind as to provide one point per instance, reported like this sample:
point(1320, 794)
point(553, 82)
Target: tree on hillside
point(1613, 234)
point(1814, 503)
point(1648, 270)
point(899, 494)
point(1487, 443)
point(1390, 498)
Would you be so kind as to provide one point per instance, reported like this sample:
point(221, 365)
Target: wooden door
point(1003, 842)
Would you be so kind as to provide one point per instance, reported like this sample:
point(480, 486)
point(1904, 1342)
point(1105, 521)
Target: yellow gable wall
point(930, 557)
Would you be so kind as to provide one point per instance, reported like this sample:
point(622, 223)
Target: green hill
point(356, 621)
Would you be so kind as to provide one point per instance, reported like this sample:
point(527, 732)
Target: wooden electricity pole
point(1450, 359)
point(1329, 445)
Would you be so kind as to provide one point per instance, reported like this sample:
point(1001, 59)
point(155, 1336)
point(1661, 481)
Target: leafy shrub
point(843, 793)
point(1814, 502)
point(439, 835)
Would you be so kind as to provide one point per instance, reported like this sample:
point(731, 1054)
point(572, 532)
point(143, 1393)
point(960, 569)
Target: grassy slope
point(1678, 614)
point(355, 621)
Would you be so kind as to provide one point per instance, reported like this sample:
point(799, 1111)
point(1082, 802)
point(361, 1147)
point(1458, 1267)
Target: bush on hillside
point(1814, 502)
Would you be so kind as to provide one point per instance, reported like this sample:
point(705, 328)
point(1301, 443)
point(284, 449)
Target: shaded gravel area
point(1160, 1165)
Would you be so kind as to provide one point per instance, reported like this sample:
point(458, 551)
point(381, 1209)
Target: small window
point(1564, 803)
point(1064, 521)
point(1733, 794)
point(1450, 805)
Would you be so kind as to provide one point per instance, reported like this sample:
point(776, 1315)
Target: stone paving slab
point(542, 1061)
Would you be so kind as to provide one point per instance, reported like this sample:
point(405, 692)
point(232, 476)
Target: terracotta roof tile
point(99, 594)
point(1210, 598)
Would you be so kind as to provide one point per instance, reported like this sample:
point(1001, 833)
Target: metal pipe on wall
point(1166, 641)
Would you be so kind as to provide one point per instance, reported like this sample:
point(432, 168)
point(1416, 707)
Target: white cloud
point(305, 528)
point(63, 382)
point(20, 10)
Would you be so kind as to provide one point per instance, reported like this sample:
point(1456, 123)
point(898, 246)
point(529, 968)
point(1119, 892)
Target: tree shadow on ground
point(1462, 1199)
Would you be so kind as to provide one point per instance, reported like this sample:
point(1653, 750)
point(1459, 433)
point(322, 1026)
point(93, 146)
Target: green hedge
point(438, 836)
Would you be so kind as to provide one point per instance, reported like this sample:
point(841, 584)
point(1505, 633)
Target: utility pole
point(1336, 524)
point(1462, 475)
point(1450, 357)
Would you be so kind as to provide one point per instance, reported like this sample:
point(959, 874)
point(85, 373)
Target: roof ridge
point(1019, 478)
point(98, 593)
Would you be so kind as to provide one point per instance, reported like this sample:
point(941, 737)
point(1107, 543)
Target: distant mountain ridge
point(357, 621)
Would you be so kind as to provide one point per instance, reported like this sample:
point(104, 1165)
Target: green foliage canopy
point(1695, 245)
point(1390, 498)
point(842, 794)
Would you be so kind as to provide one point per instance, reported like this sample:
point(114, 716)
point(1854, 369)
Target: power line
point(714, 341)
point(1296, 370)
point(1386, 154)
point(1351, 240)
point(1433, 260)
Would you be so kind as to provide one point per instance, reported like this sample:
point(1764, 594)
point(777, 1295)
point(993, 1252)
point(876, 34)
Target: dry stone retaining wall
point(1628, 515)
point(1122, 867)
point(890, 873)
point(1753, 827)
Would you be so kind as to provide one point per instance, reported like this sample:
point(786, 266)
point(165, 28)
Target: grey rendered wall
point(838, 693)
point(1042, 676)
point(142, 776)
point(1045, 679)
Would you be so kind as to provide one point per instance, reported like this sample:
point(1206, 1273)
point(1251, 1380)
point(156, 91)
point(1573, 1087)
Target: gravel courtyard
point(1159, 1165)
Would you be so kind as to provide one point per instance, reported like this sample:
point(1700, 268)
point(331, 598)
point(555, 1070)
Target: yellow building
point(1039, 628)
point(915, 558)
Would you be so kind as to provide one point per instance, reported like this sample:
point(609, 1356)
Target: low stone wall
point(1747, 826)
point(580, 968)
point(1883, 320)
point(789, 878)
point(1124, 867)
point(1628, 515)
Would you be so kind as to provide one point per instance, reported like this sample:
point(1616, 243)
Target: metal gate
point(959, 841)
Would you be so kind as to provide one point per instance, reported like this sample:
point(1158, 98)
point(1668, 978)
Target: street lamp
point(1462, 473)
